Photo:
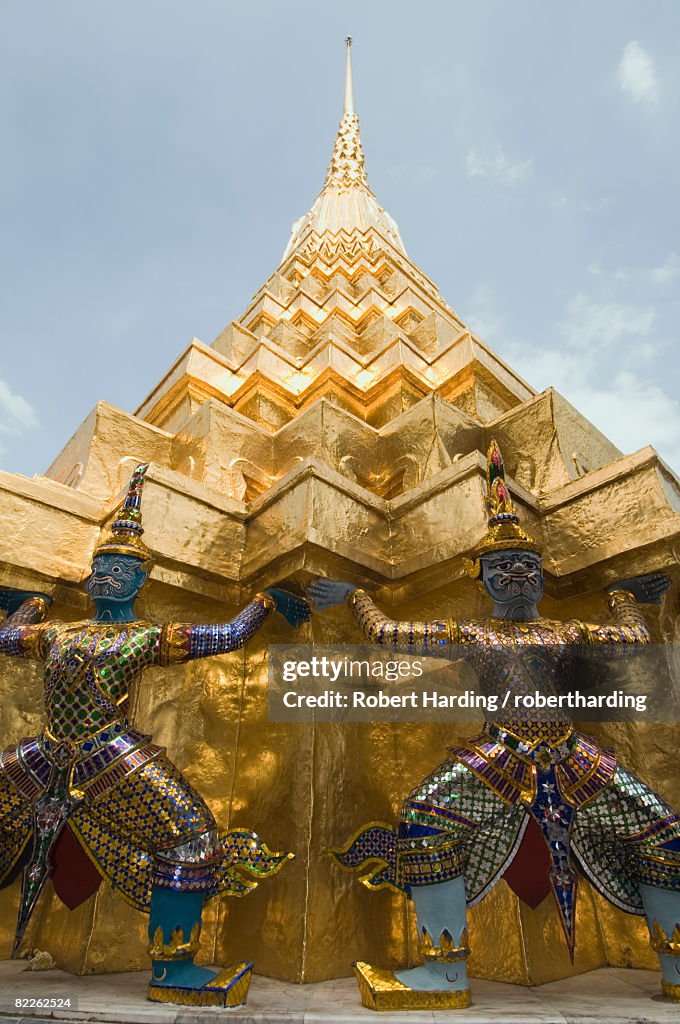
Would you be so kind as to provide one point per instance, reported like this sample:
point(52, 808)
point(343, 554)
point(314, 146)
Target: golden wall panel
point(549, 443)
point(193, 527)
point(216, 442)
point(42, 534)
point(330, 512)
point(613, 511)
point(332, 436)
point(427, 438)
point(98, 457)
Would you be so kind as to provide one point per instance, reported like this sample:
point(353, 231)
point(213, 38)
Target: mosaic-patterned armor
point(91, 782)
point(523, 789)
point(480, 801)
point(124, 796)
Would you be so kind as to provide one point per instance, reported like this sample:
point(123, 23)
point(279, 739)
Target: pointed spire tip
point(349, 92)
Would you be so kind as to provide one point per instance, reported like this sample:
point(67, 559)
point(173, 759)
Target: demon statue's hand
point(12, 600)
point(325, 593)
point(294, 609)
point(645, 589)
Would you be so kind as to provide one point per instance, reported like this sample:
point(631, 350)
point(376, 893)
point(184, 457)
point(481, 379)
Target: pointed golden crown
point(504, 531)
point(124, 536)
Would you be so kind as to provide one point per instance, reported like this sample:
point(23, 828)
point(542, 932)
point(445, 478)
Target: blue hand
point(648, 589)
point(325, 593)
point(294, 609)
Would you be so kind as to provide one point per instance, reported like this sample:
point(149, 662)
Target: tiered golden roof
point(339, 427)
point(346, 316)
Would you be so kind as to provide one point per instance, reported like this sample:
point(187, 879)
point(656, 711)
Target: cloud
point(591, 324)
point(665, 273)
point(484, 319)
point(605, 367)
point(637, 74)
point(631, 411)
point(498, 167)
point(629, 408)
point(668, 271)
point(16, 414)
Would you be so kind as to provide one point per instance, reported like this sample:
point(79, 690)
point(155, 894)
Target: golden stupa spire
point(346, 203)
point(346, 169)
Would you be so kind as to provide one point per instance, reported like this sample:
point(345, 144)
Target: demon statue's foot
point(670, 976)
point(174, 931)
point(188, 985)
point(671, 991)
point(420, 988)
point(441, 983)
point(435, 976)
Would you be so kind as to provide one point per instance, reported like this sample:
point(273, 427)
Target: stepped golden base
point(380, 990)
point(229, 988)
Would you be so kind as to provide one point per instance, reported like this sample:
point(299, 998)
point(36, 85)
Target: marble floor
point(607, 996)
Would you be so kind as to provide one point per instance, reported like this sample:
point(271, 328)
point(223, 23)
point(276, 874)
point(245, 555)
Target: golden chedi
point(337, 428)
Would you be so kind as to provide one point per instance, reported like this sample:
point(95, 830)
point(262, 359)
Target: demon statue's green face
point(514, 581)
point(114, 583)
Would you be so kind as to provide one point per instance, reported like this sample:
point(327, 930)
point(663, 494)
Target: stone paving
point(607, 996)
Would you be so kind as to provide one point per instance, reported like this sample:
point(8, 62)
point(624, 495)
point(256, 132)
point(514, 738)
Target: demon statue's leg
point(440, 910)
point(662, 909)
point(441, 983)
point(429, 866)
point(449, 819)
point(16, 827)
point(182, 878)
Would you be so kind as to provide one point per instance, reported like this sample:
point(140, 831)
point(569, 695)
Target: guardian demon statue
point(91, 784)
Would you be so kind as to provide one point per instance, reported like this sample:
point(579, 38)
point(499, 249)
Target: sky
point(156, 154)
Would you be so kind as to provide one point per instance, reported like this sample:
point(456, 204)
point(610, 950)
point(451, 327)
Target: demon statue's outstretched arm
point(180, 642)
point(378, 628)
point(20, 633)
point(629, 625)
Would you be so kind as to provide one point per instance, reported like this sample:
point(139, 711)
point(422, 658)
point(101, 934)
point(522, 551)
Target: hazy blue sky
point(155, 155)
